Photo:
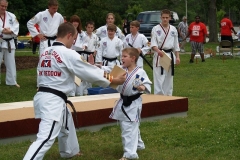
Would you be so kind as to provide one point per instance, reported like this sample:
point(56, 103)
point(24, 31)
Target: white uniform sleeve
point(15, 26)
point(176, 43)
point(86, 71)
point(125, 43)
point(96, 42)
point(98, 31)
point(147, 83)
point(62, 19)
point(154, 38)
point(120, 34)
point(85, 40)
point(30, 24)
point(120, 50)
point(145, 49)
point(99, 52)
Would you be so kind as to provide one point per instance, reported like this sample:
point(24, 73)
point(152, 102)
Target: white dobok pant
point(9, 61)
point(131, 139)
point(48, 131)
point(163, 84)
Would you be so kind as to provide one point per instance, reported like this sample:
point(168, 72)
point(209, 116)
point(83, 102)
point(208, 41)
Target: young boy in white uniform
point(164, 37)
point(48, 22)
point(128, 108)
point(92, 41)
point(101, 32)
point(137, 40)
point(8, 31)
point(57, 68)
point(110, 48)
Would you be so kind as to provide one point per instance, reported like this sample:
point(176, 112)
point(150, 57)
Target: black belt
point(63, 96)
point(50, 38)
point(167, 51)
point(109, 59)
point(8, 43)
point(172, 61)
point(127, 101)
point(7, 39)
point(85, 52)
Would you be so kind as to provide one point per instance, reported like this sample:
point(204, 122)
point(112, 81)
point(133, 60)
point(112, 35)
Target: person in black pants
point(35, 43)
point(125, 27)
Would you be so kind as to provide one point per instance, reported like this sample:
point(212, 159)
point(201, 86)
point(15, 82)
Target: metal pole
point(186, 7)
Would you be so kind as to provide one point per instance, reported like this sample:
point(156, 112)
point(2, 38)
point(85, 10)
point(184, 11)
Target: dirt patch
point(23, 62)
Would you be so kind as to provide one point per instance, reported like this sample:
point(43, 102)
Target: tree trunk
point(212, 21)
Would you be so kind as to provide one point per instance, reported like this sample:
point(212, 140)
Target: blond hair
point(133, 52)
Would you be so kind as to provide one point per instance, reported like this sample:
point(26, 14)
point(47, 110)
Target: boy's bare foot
point(79, 154)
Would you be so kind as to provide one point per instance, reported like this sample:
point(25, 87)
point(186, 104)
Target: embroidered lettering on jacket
point(54, 54)
point(50, 73)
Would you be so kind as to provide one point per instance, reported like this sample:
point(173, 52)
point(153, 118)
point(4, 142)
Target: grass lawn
point(211, 130)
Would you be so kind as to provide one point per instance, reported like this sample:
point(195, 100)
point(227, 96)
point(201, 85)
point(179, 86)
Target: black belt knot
point(8, 43)
point(50, 38)
point(109, 59)
point(127, 101)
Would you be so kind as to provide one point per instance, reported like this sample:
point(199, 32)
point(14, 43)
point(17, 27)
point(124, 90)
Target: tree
point(24, 10)
point(134, 10)
point(96, 10)
point(213, 21)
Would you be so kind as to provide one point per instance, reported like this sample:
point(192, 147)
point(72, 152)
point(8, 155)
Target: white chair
point(225, 47)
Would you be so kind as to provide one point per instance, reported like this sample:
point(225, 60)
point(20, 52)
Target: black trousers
point(34, 47)
point(229, 38)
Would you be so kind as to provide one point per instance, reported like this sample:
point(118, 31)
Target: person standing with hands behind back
point(8, 31)
point(164, 37)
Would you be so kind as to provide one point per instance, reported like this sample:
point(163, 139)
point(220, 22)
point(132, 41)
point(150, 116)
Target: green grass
point(26, 79)
point(211, 130)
